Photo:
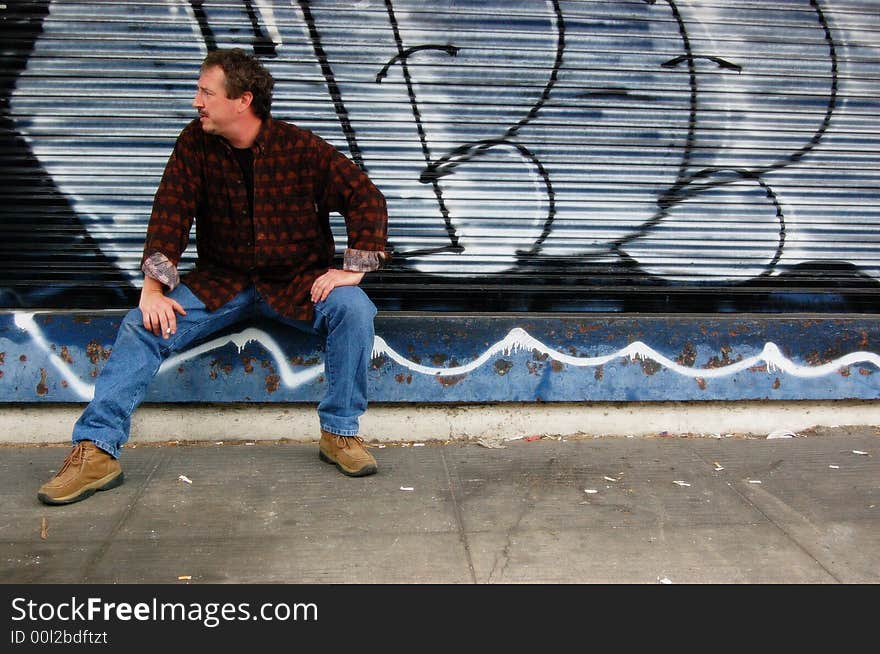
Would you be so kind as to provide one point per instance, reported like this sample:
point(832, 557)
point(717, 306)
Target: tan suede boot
point(86, 469)
point(348, 453)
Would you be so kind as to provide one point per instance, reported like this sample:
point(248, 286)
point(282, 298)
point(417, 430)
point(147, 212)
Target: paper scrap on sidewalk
point(44, 529)
point(606, 477)
point(680, 483)
point(406, 488)
point(754, 481)
point(491, 443)
point(860, 452)
point(833, 466)
point(418, 445)
point(718, 466)
point(590, 491)
point(781, 433)
point(185, 479)
point(664, 580)
point(184, 577)
point(529, 439)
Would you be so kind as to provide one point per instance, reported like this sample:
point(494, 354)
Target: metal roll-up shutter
point(536, 155)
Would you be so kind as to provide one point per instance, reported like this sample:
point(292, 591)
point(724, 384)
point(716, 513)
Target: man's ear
point(245, 100)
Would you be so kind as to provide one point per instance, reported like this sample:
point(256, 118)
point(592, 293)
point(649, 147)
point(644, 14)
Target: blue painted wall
point(51, 357)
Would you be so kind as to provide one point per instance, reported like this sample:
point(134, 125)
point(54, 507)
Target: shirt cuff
point(160, 268)
point(363, 260)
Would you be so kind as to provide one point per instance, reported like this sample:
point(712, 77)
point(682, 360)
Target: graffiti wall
point(644, 199)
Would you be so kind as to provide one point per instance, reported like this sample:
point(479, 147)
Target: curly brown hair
point(244, 73)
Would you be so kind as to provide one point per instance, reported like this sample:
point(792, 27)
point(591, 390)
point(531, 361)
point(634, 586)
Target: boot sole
point(368, 469)
point(85, 492)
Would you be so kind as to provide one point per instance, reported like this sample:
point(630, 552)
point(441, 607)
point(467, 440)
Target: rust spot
point(96, 352)
point(557, 366)
point(862, 371)
point(863, 341)
point(378, 362)
point(649, 366)
point(300, 361)
point(2, 358)
point(724, 360)
point(776, 383)
point(438, 359)
point(265, 363)
point(272, 382)
point(42, 387)
point(688, 355)
point(701, 383)
point(844, 372)
point(600, 373)
point(248, 363)
point(22, 358)
point(502, 366)
point(64, 383)
point(401, 378)
point(451, 380)
point(65, 354)
point(537, 355)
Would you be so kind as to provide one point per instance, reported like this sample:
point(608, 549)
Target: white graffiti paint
point(290, 378)
point(26, 322)
point(516, 340)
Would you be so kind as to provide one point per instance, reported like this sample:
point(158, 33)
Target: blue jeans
point(344, 319)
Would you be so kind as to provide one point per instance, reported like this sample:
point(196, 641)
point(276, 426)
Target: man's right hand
point(158, 310)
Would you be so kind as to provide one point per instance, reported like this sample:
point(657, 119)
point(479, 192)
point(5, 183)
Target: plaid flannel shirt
point(299, 179)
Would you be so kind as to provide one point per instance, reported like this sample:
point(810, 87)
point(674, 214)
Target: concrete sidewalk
point(642, 510)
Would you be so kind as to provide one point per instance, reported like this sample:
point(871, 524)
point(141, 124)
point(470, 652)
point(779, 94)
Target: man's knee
point(351, 300)
point(349, 305)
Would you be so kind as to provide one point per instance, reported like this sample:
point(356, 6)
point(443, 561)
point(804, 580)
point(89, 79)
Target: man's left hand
point(331, 279)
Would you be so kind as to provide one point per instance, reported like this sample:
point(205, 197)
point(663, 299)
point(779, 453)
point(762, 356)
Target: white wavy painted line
point(290, 377)
point(517, 339)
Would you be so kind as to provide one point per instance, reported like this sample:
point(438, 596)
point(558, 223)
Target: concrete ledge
point(55, 357)
point(40, 424)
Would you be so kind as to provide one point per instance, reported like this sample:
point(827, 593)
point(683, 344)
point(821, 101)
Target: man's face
point(217, 111)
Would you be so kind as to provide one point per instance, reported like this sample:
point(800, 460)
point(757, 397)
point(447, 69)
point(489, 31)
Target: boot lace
point(76, 457)
point(344, 442)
